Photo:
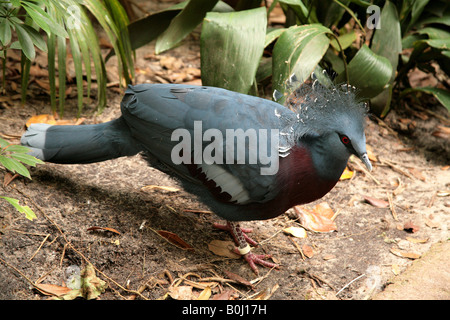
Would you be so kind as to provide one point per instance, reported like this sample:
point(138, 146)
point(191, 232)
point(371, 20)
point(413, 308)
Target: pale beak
point(365, 159)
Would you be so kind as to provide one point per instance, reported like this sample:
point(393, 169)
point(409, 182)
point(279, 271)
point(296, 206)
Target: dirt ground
point(358, 261)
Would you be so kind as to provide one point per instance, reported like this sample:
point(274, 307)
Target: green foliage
point(12, 157)
point(237, 38)
point(62, 20)
point(328, 34)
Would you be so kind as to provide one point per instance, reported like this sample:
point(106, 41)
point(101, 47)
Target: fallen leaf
point(417, 173)
point(430, 223)
point(296, 232)
point(404, 254)
point(152, 187)
point(417, 240)
point(103, 228)
point(41, 118)
point(205, 294)
point(410, 227)
point(347, 174)
point(442, 132)
point(223, 249)
point(225, 295)
point(181, 292)
point(318, 220)
point(238, 278)
point(52, 289)
point(8, 178)
point(395, 269)
point(376, 202)
point(443, 193)
point(307, 251)
point(174, 239)
point(50, 119)
point(371, 154)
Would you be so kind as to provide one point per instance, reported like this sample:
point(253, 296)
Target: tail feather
point(80, 144)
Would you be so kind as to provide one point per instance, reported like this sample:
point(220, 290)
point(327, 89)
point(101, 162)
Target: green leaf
point(369, 72)
point(36, 38)
point(5, 32)
point(3, 143)
point(17, 149)
point(443, 96)
point(154, 25)
point(186, 21)
point(14, 166)
point(297, 51)
point(27, 159)
point(29, 214)
point(43, 19)
point(272, 35)
point(345, 40)
point(231, 48)
point(387, 42)
point(26, 42)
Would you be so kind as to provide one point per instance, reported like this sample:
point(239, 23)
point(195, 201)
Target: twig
point(391, 205)
point(298, 248)
point(40, 246)
point(357, 278)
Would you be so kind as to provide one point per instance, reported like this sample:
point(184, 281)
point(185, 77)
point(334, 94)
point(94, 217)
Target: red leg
point(243, 241)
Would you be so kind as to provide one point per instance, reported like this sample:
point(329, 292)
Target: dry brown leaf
point(376, 202)
point(307, 251)
point(225, 295)
point(50, 119)
point(174, 239)
point(297, 232)
point(205, 294)
point(8, 178)
point(430, 223)
point(442, 132)
point(152, 187)
point(417, 173)
point(395, 269)
point(347, 174)
point(417, 240)
point(103, 228)
point(371, 154)
point(404, 254)
point(223, 249)
point(410, 227)
point(181, 292)
point(238, 278)
point(320, 219)
point(52, 289)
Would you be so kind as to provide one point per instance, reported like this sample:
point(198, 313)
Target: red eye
point(345, 140)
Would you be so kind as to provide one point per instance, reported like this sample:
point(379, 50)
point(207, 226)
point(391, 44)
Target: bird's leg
point(242, 240)
point(228, 227)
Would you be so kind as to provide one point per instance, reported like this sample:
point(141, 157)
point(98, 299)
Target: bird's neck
point(329, 162)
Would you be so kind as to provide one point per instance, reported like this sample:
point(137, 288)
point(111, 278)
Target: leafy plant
point(12, 157)
point(62, 20)
point(371, 45)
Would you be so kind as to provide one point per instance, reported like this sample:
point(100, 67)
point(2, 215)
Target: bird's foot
point(234, 229)
point(243, 241)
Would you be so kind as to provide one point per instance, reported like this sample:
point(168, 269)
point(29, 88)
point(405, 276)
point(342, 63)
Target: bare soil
point(355, 262)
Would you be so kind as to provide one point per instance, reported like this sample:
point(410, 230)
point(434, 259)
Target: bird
point(245, 157)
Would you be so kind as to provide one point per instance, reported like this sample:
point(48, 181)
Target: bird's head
point(332, 121)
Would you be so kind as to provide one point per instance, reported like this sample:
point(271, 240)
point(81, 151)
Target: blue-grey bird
point(246, 157)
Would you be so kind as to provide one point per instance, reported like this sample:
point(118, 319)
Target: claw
point(243, 241)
